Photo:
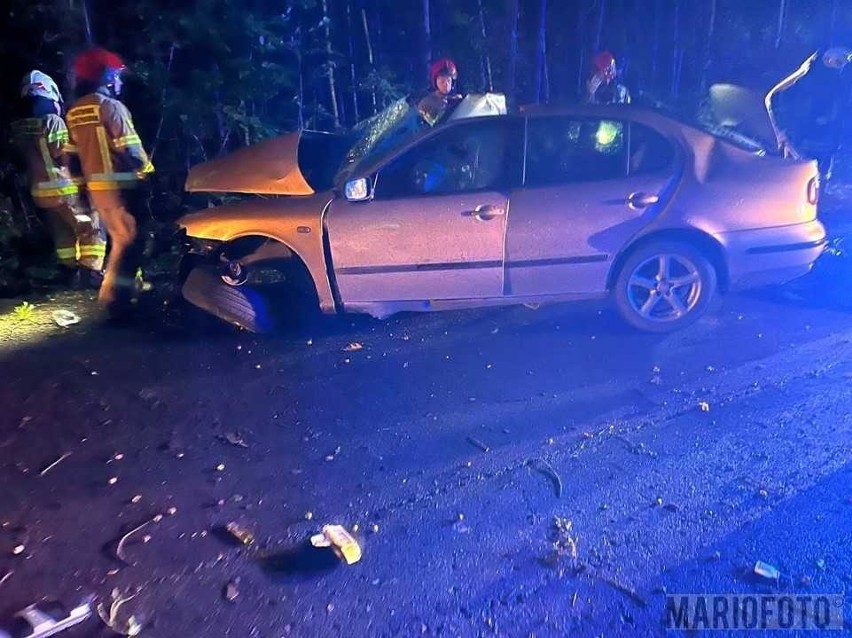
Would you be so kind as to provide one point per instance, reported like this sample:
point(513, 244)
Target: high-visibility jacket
point(110, 151)
point(43, 143)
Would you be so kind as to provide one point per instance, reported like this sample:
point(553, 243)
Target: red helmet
point(444, 66)
point(97, 65)
point(603, 61)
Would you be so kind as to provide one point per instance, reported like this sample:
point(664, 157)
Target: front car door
point(435, 228)
point(589, 185)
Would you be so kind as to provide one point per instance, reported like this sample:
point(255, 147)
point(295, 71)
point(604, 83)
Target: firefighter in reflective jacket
point(114, 166)
point(41, 138)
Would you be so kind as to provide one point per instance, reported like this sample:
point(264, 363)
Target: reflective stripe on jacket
point(110, 151)
point(44, 144)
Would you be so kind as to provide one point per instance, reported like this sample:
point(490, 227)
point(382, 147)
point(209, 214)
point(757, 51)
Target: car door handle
point(641, 200)
point(484, 212)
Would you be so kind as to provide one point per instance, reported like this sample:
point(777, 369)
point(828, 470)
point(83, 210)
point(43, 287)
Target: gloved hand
point(145, 171)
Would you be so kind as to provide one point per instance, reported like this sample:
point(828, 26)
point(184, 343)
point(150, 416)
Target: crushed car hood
point(299, 163)
point(750, 112)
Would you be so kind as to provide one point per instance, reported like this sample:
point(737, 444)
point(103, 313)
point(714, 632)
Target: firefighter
point(442, 96)
point(602, 86)
point(41, 138)
point(114, 167)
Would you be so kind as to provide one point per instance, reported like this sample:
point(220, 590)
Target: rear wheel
point(664, 286)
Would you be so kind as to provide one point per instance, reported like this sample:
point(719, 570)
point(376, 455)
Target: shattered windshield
point(400, 123)
point(383, 132)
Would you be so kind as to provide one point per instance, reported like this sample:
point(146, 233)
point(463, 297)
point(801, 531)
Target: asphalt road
point(453, 442)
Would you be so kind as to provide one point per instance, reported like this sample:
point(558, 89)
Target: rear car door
point(589, 185)
point(436, 226)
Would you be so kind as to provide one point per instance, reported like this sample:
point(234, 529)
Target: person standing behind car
point(41, 138)
point(441, 99)
point(602, 86)
point(114, 166)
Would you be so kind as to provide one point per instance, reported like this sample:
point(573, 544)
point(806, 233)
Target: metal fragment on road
point(547, 469)
point(55, 463)
point(353, 347)
point(340, 540)
point(235, 439)
point(240, 533)
point(478, 443)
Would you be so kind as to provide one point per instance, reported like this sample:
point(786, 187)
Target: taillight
point(813, 190)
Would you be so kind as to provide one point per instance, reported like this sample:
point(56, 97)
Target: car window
point(471, 157)
point(650, 152)
point(564, 150)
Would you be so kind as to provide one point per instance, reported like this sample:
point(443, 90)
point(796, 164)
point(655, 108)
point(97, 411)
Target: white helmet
point(38, 84)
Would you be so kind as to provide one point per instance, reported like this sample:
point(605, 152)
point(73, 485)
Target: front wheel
point(664, 286)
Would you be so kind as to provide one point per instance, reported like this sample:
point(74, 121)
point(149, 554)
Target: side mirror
point(358, 190)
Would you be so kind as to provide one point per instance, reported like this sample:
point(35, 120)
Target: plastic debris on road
point(47, 619)
point(231, 591)
point(65, 318)
point(766, 570)
point(343, 543)
point(110, 617)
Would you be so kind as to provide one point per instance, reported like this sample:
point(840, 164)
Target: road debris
point(547, 469)
point(341, 541)
point(231, 591)
point(333, 455)
point(564, 544)
point(240, 533)
point(6, 576)
point(234, 439)
point(220, 467)
point(18, 549)
point(704, 406)
point(477, 443)
point(766, 570)
point(113, 480)
point(353, 347)
point(65, 318)
point(54, 464)
point(119, 548)
point(136, 499)
point(130, 627)
point(49, 618)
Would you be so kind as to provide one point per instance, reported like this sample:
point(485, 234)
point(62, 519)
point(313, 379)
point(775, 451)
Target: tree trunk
point(708, 48)
point(599, 30)
point(427, 36)
point(370, 58)
point(541, 52)
point(487, 55)
point(832, 29)
point(782, 14)
point(512, 71)
point(581, 45)
point(353, 77)
point(677, 53)
point(84, 5)
point(332, 85)
point(655, 50)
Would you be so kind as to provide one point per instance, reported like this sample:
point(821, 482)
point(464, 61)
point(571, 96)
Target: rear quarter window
point(650, 152)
